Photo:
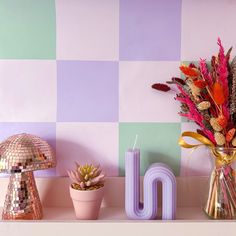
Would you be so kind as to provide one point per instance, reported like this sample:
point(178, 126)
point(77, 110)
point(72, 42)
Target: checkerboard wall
point(78, 74)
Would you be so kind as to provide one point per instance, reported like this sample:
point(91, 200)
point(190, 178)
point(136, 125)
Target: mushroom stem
point(22, 193)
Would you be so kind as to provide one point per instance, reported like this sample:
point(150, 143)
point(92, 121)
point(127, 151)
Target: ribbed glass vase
point(221, 197)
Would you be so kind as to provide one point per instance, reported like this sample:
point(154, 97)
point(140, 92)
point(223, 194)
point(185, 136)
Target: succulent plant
point(86, 177)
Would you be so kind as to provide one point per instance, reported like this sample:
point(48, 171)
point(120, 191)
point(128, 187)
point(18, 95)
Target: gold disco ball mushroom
point(20, 155)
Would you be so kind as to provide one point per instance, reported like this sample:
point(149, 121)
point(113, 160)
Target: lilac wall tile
point(150, 29)
point(46, 131)
point(87, 91)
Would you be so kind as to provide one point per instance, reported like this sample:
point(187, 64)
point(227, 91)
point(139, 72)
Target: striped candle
point(156, 172)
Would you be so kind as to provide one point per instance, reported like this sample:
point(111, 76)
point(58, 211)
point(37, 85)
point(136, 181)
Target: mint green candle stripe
point(158, 142)
point(27, 29)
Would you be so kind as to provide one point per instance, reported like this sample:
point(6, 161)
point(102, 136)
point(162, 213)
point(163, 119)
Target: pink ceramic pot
point(87, 203)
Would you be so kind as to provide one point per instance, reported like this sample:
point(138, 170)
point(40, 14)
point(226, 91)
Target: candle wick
point(135, 141)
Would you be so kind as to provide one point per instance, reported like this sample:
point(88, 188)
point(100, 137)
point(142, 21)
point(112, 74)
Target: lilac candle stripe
point(156, 172)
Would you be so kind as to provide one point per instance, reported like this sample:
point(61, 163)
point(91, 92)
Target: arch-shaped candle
point(156, 172)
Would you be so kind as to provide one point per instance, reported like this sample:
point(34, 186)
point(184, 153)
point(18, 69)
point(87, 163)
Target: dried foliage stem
point(217, 106)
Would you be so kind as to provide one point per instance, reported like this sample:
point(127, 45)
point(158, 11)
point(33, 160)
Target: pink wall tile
point(28, 90)
point(87, 29)
point(138, 102)
point(202, 23)
point(95, 143)
point(194, 162)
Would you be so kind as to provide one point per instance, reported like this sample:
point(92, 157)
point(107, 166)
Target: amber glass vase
point(221, 198)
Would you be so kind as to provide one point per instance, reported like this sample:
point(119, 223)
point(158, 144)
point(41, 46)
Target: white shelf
point(113, 222)
point(59, 218)
point(115, 214)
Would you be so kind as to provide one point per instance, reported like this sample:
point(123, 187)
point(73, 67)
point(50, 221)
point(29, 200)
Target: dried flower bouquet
point(207, 95)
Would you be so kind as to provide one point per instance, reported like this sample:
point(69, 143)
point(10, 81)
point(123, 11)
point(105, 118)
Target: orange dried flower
point(218, 93)
point(188, 71)
point(222, 121)
point(230, 134)
point(200, 84)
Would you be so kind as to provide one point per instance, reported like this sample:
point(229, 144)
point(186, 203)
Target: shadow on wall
point(154, 157)
point(183, 169)
point(196, 163)
point(51, 195)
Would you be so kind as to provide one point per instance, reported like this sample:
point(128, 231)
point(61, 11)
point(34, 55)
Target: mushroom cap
point(25, 152)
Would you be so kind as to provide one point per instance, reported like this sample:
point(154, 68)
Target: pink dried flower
point(222, 70)
point(193, 114)
point(204, 71)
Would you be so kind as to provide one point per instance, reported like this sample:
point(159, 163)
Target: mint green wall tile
point(157, 141)
point(27, 29)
